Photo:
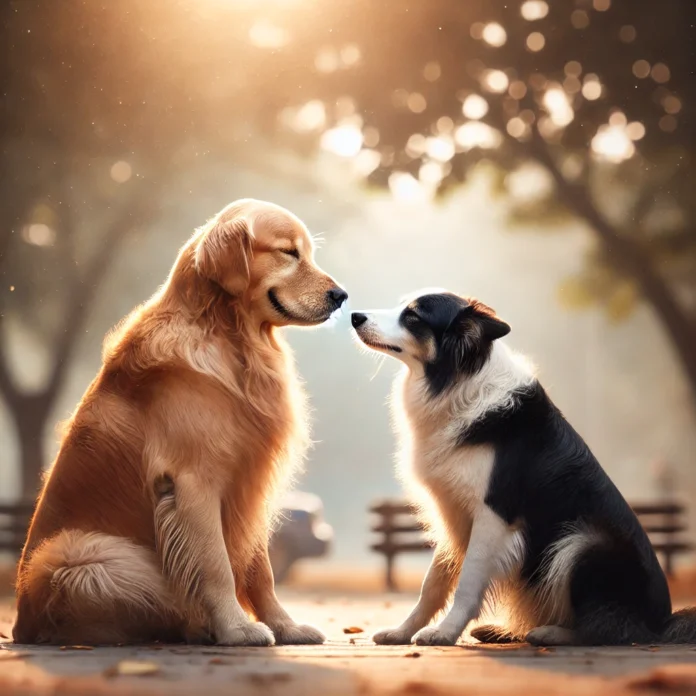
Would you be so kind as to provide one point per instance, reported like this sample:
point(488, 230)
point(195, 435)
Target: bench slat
point(397, 528)
point(644, 509)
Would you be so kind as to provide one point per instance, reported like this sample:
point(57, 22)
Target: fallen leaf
point(220, 661)
point(2, 635)
point(76, 647)
point(132, 668)
point(670, 679)
point(353, 629)
point(412, 654)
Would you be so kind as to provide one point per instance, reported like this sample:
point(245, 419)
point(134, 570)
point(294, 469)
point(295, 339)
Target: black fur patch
point(546, 480)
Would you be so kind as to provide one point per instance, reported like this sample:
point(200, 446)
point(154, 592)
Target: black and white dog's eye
point(411, 317)
point(292, 252)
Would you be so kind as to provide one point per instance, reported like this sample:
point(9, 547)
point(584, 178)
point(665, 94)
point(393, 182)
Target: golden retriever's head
point(263, 254)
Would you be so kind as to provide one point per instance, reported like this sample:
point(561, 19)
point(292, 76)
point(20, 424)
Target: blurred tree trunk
point(630, 258)
point(30, 422)
point(31, 411)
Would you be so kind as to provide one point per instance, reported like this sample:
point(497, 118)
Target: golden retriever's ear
point(223, 254)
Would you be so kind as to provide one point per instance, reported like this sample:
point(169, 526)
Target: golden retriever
point(153, 522)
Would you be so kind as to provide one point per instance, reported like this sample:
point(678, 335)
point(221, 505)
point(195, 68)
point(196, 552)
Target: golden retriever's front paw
point(293, 634)
point(249, 634)
point(433, 635)
point(392, 636)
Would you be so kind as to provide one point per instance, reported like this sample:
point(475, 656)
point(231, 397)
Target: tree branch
point(627, 256)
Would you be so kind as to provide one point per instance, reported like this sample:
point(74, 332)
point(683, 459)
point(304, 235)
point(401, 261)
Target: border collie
point(523, 516)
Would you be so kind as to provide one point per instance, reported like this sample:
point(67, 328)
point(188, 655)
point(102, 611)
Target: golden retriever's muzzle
point(315, 310)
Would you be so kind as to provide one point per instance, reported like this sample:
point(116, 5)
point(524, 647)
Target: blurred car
point(302, 533)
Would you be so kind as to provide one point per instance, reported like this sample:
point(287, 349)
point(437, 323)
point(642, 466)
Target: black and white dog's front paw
point(434, 635)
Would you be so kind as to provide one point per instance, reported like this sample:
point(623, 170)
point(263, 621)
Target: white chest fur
point(455, 476)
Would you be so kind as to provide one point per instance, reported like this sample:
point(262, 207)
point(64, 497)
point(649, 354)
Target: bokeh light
point(495, 81)
point(494, 34)
point(475, 106)
point(121, 172)
point(536, 41)
point(613, 144)
point(477, 134)
point(344, 141)
point(534, 9)
point(38, 234)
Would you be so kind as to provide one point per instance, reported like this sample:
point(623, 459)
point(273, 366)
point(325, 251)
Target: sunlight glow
point(440, 148)
point(495, 81)
point(431, 174)
point(265, 34)
point(494, 34)
point(557, 104)
point(592, 88)
point(308, 117)
point(475, 106)
point(366, 161)
point(121, 171)
point(38, 234)
point(327, 60)
point(406, 188)
point(344, 141)
point(613, 144)
point(415, 146)
point(517, 128)
point(534, 9)
point(477, 134)
point(536, 41)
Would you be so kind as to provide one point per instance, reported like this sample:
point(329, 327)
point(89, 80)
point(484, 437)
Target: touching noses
point(337, 296)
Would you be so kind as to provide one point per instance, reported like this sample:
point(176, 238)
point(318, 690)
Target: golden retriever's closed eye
point(153, 523)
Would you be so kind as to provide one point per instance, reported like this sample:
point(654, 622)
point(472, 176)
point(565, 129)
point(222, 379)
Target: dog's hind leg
point(94, 589)
point(490, 633)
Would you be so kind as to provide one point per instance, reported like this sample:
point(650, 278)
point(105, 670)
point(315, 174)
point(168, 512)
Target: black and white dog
point(522, 513)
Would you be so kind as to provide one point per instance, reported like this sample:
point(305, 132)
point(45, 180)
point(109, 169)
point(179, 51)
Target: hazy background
point(614, 372)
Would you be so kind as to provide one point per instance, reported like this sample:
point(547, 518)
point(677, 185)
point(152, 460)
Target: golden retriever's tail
point(90, 588)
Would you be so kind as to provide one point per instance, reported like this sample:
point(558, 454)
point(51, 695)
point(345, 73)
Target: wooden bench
point(400, 532)
point(14, 522)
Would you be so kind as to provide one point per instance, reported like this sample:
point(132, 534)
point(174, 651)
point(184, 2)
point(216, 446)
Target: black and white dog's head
point(450, 336)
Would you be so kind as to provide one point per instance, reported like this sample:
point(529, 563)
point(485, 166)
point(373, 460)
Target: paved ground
point(344, 667)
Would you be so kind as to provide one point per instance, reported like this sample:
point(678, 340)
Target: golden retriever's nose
point(337, 296)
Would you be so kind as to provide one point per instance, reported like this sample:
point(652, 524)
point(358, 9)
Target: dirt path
point(341, 667)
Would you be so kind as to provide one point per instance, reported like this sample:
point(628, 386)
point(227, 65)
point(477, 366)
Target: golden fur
point(153, 522)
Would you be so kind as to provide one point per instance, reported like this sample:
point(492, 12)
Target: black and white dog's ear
point(493, 328)
point(478, 314)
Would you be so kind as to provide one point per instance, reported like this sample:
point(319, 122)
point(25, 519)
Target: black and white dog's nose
point(357, 319)
point(338, 296)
